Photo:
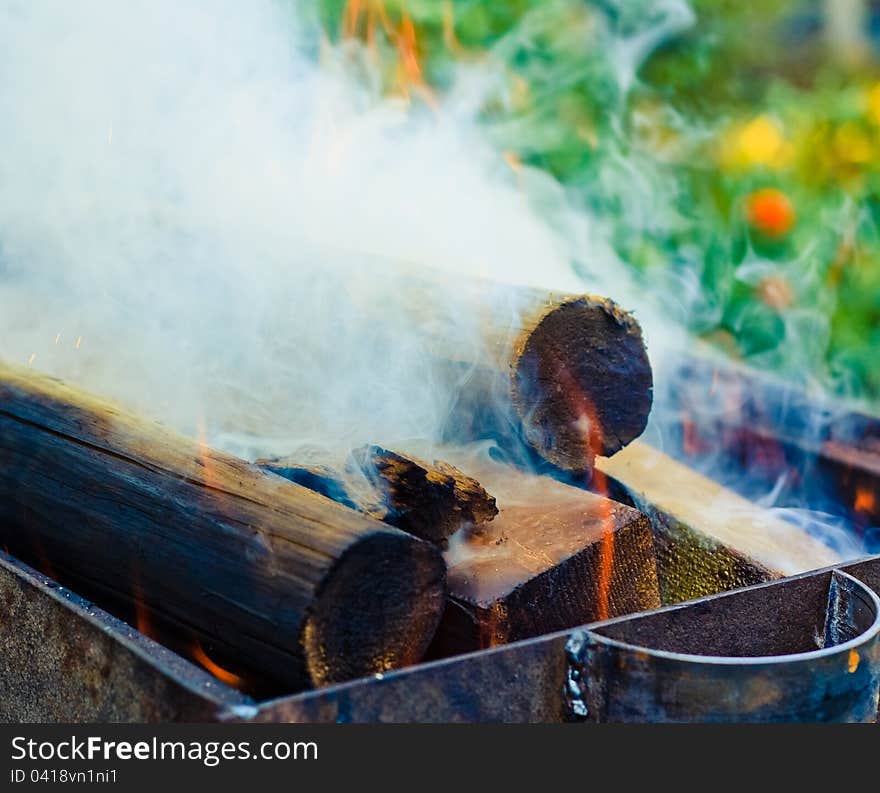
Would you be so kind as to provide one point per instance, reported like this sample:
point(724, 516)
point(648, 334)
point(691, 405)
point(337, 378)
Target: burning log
point(429, 500)
point(708, 538)
point(289, 583)
point(570, 373)
point(555, 557)
point(581, 381)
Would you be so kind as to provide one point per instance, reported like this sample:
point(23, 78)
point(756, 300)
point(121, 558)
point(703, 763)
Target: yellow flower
point(874, 103)
point(760, 142)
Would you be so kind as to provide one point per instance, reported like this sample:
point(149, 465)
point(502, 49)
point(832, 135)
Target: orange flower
point(770, 212)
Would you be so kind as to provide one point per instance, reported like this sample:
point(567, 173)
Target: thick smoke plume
point(194, 212)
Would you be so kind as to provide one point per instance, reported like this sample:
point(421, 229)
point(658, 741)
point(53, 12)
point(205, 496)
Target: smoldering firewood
point(569, 374)
point(555, 557)
point(428, 500)
point(296, 587)
point(581, 381)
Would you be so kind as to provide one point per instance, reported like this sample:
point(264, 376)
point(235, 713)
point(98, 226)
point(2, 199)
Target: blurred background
point(731, 151)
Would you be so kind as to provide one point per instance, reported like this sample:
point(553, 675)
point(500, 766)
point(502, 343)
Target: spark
point(852, 662)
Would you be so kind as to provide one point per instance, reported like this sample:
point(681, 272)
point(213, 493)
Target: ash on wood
point(555, 557)
point(708, 538)
point(429, 500)
point(298, 588)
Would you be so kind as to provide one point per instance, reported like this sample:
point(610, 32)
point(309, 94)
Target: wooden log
point(428, 500)
point(555, 557)
point(581, 381)
point(708, 538)
point(569, 374)
point(299, 588)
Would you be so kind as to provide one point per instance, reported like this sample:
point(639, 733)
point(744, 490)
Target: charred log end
point(430, 501)
point(473, 503)
point(582, 382)
point(377, 609)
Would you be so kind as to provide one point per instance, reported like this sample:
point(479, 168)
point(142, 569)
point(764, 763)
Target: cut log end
point(556, 558)
point(377, 610)
point(582, 382)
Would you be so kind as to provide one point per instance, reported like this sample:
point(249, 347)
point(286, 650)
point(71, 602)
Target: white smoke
point(187, 196)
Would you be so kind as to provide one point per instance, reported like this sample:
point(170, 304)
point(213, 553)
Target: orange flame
point(865, 500)
point(223, 675)
point(513, 161)
point(204, 453)
point(407, 47)
point(373, 13)
point(852, 663)
point(362, 19)
point(142, 620)
point(410, 77)
point(351, 15)
point(583, 407)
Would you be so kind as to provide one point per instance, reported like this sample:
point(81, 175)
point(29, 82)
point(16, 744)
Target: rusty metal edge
point(522, 681)
point(612, 679)
point(46, 604)
point(486, 685)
